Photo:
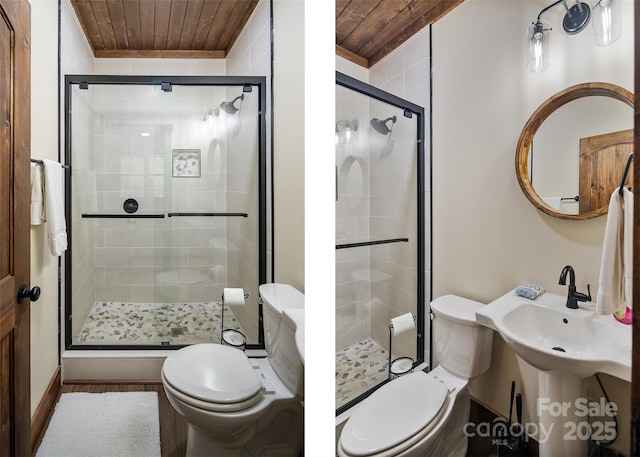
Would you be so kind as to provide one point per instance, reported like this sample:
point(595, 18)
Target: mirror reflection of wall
point(555, 152)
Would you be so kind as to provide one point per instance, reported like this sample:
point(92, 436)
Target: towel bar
point(40, 162)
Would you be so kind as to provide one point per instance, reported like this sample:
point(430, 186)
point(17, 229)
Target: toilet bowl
point(424, 414)
point(235, 405)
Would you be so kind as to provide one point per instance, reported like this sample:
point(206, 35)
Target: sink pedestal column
point(561, 431)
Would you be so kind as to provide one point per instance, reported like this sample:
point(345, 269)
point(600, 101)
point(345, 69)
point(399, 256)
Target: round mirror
point(573, 150)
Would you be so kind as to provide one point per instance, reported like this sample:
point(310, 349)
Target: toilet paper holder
point(400, 365)
point(230, 336)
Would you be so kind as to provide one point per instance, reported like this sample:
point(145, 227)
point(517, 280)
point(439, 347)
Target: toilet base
point(278, 434)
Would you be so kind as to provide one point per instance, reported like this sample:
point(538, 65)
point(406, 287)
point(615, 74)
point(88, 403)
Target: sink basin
point(552, 340)
point(551, 337)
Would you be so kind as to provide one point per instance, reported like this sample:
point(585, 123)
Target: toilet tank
point(461, 345)
point(279, 339)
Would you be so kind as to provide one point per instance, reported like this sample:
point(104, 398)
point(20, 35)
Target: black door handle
point(24, 292)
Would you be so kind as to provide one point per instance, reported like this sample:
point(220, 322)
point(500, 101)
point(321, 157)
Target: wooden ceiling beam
point(161, 26)
point(87, 20)
point(352, 56)
point(159, 54)
point(191, 18)
point(176, 23)
point(118, 23)
point(132, 20)
point(147, 23)
point(103, 20)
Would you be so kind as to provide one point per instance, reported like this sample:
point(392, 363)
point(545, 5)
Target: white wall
point(44, 137)
point(488, 238)
point(288, 148)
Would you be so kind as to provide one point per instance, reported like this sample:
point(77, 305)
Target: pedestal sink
point(566, 346)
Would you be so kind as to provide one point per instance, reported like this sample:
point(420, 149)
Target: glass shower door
point(379, 236)
point(167, 198)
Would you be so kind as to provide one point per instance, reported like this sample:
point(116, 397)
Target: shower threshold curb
point(119, 365)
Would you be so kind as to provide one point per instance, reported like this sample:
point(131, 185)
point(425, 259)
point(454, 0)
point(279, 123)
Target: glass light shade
point(345, 131)
point(606, 22)
point(538, 41)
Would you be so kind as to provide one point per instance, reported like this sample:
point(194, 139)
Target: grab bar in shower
point(207, 214)
point(372, 243)
point(123, 216)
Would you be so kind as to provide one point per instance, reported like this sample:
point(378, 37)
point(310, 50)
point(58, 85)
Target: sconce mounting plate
point(575, 20)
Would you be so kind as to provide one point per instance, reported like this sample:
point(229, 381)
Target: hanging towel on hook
point(54, 207)
point(37, 196)
point(615, 291)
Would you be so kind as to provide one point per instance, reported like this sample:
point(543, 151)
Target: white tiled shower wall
point(250, 56)
point(131, 254)
point(353, 294)
point(76, 57)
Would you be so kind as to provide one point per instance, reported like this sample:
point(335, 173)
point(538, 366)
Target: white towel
point(37, 196)
point(554, 202)
point(615, 291)
point(54, 207)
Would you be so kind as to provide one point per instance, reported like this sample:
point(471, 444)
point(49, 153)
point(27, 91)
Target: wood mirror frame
point(534, 123)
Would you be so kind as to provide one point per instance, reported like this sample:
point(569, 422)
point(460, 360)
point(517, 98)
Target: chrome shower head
point(381, 126)
point(229, 107)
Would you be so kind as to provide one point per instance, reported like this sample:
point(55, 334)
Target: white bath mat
point(111, 424)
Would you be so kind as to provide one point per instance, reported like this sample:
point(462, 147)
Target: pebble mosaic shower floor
point(155, 323)
point(358, 368)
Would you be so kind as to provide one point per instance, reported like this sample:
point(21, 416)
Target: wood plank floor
point(173, 427)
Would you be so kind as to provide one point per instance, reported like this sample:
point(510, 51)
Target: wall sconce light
point(607, 22)
point(345, 130)
point(538, 33)
point(210, 114)
point(230, 107)
point(606, 28)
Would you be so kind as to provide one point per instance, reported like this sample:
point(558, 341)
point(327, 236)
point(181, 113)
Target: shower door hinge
point(166, 87)
point(408, 113)
point(83, 85)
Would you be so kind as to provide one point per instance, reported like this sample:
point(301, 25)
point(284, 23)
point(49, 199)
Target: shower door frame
point(259, 82)
point(408, 107)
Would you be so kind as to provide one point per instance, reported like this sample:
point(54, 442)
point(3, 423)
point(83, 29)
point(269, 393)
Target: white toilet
point(236, 405)
point(423, 414)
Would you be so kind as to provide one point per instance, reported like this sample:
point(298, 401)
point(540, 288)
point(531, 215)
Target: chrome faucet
point(573, 296)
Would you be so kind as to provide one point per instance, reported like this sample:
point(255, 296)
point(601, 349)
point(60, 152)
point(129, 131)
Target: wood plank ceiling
point(163, 28)
point(368, 30)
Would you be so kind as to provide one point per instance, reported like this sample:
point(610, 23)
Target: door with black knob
point(15, 81)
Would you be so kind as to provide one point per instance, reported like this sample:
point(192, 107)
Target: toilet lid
point(393, 414)
point(212, 373)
